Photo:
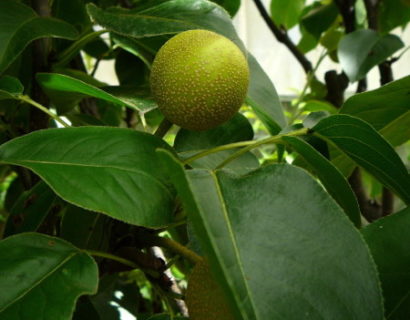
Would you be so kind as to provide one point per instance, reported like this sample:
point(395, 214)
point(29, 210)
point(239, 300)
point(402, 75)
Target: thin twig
point(282, 36)
point(110, 256)
point(372, 10)
point(44, 109)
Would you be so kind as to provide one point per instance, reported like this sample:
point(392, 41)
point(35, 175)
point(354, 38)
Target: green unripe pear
point(199, 79)
point(205, 298)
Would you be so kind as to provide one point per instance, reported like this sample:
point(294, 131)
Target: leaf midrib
point(140, 172)
point(234, 242)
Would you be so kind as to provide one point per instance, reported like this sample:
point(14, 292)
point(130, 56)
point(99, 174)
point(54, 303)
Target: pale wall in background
point(277, 61)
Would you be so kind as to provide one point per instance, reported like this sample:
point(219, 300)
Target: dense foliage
point(299, 212)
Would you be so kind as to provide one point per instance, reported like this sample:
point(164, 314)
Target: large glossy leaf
point(232, 6)
point(20, 25)
point(334, 182)
point(386, 108)
point(392, 14)
point(363, 144)
point(169, 17)
point(30, 209)
point(317, 18)
point(237, 129)
point(361, 50)
point(10, 88)
point(41, 277)
point(263, 98)
point(110, 170)
point(175, 16)
point(276, 240)
point(73, 12)
point(388, 240)
point(286, 13)
point(137, 47)
point(91, 233)
point(64, 83)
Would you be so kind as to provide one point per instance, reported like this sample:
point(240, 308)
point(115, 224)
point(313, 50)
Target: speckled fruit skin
point(204, 297)
point(199, 79)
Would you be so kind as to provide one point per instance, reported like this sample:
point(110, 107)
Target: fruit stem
point(44, 109)
point(163, 128)
point(247, 144)
point(111, 257)
point(218, 149)
point(274, 139)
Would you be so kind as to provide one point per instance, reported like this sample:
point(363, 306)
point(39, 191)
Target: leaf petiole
point(44, 109)
point(248, 145)
point(106, 255)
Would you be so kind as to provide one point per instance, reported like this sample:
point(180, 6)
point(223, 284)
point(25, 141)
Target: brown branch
point(282, 36)
point(336, 85)
point(362, 85)
point(372, 10)
point(370, 209)
point(346, 9)
point(387, 202)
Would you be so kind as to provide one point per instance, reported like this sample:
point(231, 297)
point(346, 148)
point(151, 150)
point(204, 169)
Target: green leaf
point(110, 170)
point(397, 132)
point(98, 49)
point(137, 47)
point(388, 240)
point(286, 13)
point(30, 209)
point(89, 234)
point(331, 38)
point(361, 50)
point(317, 105)
point(63, 83)
point(263, 98)
point(73, 12)
point(188, 143)
point(10, 88)
point(232, 6)
point(341, 161)
point(42, 277)
point(392, 14)
point(130, 70)
point(175, 16)
point(334, 182)
point(308, 41)
point(20, 25)
point(166, 18)
point(137, 96)
point(319, 18)
point(387, 109)
point(306, 238)
point(363, 144)
point(11, 85)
